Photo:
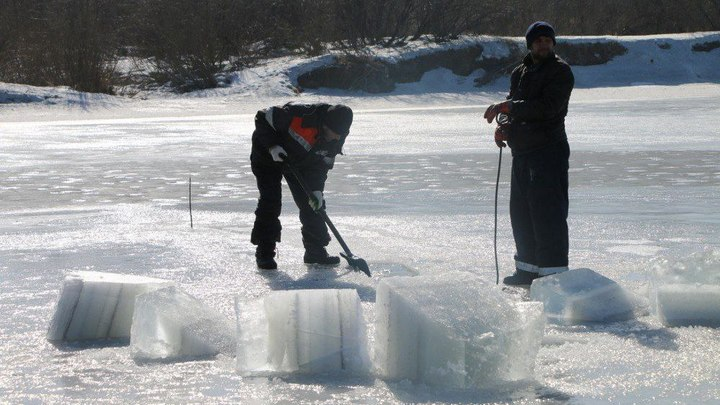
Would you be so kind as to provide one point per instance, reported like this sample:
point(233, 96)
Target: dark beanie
point(539, 29)
point(338, 118)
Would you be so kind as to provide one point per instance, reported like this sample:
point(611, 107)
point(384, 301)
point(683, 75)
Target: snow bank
point(169, 324)
point(95, 305)
point(302, 331)
point(454, 330)
point(583, 295)
point(658, 59)
point(687, 292)
point(598, 61)
point(11, 93)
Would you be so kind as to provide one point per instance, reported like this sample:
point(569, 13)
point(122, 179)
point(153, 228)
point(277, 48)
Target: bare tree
point(447, 19)
point(61, 42)
point(190, 42)
point(373, 22)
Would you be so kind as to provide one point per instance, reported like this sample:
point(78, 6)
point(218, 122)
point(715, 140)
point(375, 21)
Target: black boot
point(318, 255)
point(520, 278)
point(264, 256)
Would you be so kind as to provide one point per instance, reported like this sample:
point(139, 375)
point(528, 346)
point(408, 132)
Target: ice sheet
point(169, 324)
point(686, 292)
point(106, 194)
point(302, 331)
point(452, 329)
point(583, 295)
point(95, 305)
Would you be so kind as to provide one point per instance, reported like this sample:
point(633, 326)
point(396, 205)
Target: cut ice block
point(582, 295)
point(170, 325)
point(687, 292)
point(95, 305)
point(688, 304)
point(303, 331)
point(454, 330)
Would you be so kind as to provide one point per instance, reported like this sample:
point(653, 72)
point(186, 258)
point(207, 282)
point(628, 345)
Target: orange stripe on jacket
point(308, 134)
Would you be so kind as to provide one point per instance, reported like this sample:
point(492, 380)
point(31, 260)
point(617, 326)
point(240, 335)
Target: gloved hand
point(278, 153)
point(502, 133)
point(496, 109)
point(316, 200)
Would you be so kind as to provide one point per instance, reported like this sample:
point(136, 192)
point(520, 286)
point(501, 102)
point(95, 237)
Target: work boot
point(520, 278)
point(264, 256)
point(318, 255)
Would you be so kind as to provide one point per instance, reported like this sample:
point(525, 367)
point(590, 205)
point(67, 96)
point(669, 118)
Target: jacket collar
point(528, 61)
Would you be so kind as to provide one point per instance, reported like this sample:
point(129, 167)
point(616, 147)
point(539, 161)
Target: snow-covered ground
point(101, 185)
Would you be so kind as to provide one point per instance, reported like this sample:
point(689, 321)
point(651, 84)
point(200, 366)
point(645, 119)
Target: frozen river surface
point(414, 191)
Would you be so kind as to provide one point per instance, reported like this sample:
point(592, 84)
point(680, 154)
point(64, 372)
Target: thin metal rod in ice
point(190, 201)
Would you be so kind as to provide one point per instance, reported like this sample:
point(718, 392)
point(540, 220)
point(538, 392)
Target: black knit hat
point(539, 29)
point(339, 117)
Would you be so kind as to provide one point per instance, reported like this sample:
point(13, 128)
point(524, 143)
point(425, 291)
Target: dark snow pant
point(266, 229)
point(539, 209)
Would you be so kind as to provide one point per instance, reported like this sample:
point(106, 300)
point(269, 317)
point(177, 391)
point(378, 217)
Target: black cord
point(497, 186)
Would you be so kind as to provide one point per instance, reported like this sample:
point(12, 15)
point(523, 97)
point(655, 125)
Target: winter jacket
point(296, 127)
point(540, 94)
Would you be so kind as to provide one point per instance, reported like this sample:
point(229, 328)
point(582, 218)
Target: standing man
point(540, 89)
point(309, 136)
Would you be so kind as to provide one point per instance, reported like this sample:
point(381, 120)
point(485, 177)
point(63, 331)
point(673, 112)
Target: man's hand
point(278, 153)
point(496, 109)
point(316, 200)
point(502, 133)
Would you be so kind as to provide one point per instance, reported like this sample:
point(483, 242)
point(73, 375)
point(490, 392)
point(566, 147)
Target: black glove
point(502, 134)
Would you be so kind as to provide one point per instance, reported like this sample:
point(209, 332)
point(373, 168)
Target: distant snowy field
point(100, 183)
